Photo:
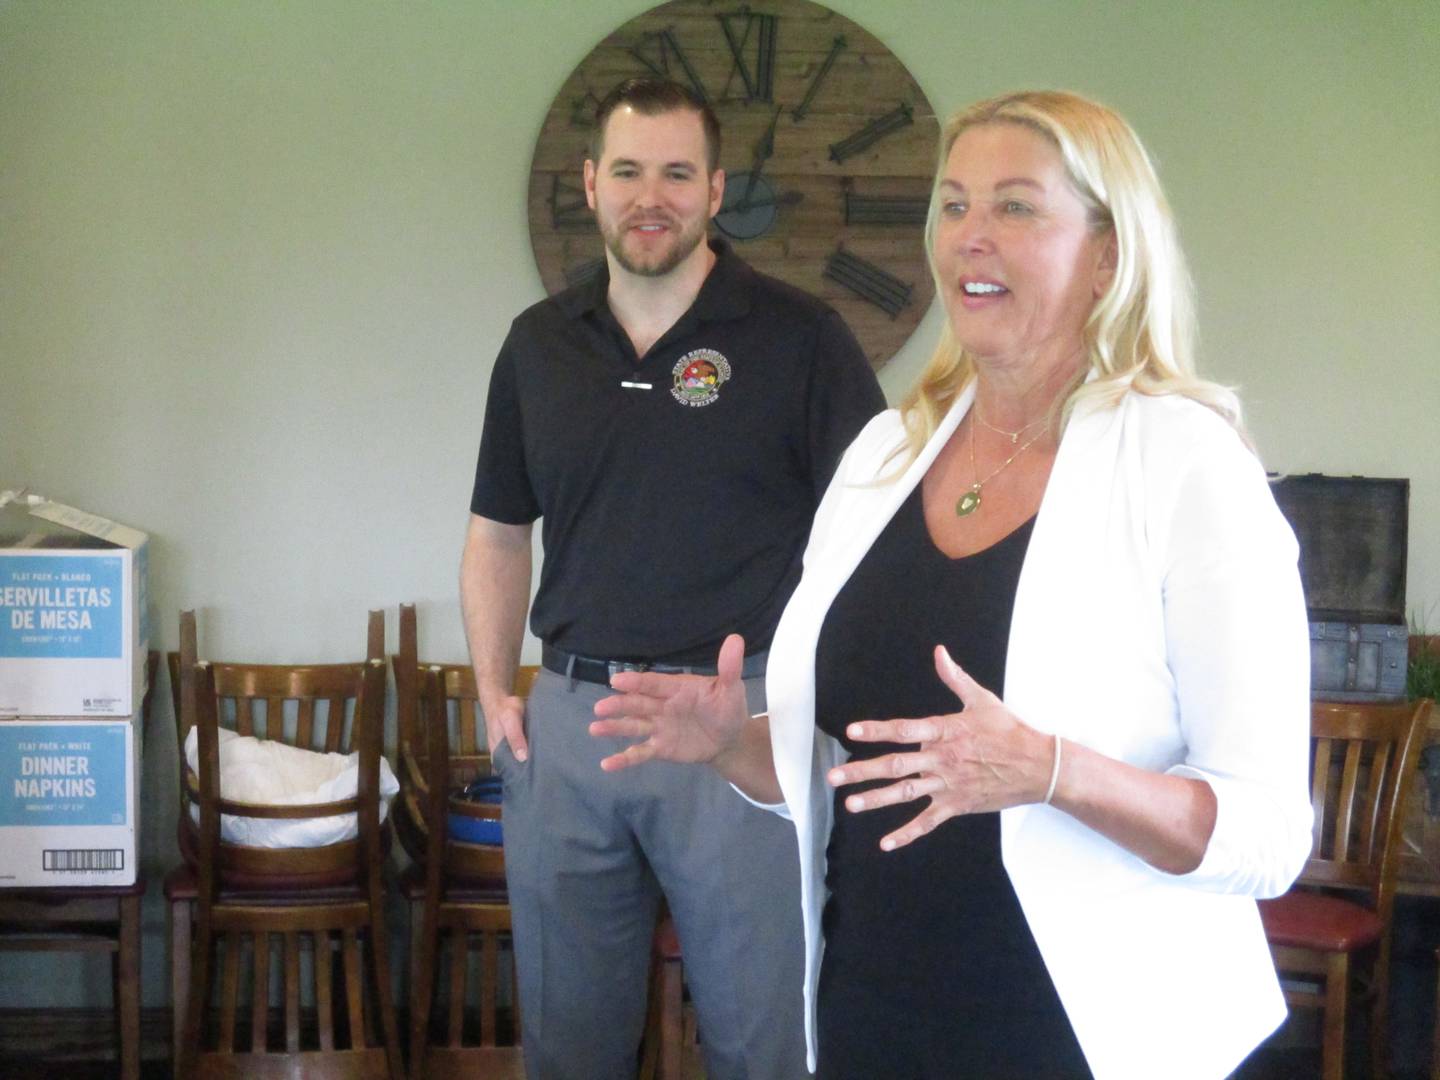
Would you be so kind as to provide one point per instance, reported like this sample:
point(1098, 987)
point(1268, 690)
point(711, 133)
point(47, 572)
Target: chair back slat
point(525, 679)
point(243, 710)
point(459, 682)
point(229, 992)
point(260, 994)
point(1319, 792)
point(1343, 830)
point(469, 727)
point(1363, 758)
point(375, 636)
point(324, 1002)
point(455, 1014)
point(291, 1007)
point(304, 719)
point(406, 665)
point(350, 953)
point(489, 987)
point(1371, 827)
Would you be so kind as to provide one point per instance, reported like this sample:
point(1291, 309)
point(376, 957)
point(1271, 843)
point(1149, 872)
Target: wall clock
point(828, 149)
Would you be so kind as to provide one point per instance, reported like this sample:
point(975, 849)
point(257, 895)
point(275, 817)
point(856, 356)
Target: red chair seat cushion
point(667, 940)
point(1311, 920)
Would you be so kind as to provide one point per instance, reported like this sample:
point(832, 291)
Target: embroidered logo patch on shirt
point(699, 374)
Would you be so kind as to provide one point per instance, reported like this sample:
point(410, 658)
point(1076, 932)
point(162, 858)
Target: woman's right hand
point(685, 718)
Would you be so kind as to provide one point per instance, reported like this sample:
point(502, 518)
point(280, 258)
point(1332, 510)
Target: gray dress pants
point(588, 855)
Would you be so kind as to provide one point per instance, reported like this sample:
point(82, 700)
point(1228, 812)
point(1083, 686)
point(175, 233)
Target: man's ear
point(717, 191)
point(590, 183)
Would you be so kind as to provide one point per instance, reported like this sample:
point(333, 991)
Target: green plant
point(1422, 676)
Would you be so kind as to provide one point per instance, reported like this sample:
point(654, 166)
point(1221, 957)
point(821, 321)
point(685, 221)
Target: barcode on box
point(83, 859)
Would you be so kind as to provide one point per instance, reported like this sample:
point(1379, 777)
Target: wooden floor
point(76, 1044)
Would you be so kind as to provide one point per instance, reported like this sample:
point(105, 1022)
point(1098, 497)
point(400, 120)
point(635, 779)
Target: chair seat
point(181, 884)
point(457, 891)
point(1311, 920)
point(278, 869)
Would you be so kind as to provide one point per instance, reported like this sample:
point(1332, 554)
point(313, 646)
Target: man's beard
point(659, 263)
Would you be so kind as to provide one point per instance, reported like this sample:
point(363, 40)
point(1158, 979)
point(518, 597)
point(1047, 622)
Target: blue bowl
point(485, 791)
point(475, 830)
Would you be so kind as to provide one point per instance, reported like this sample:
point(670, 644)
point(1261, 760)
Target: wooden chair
point(321, 908)
point(95, 918)
point(1339, 911)
point(671, 1050)
point(459, 897)
point(1435, 1052)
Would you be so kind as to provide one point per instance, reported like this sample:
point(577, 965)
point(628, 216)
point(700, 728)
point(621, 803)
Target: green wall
point(256, 258)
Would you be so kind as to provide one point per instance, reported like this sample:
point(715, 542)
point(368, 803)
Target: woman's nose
point(973, 231)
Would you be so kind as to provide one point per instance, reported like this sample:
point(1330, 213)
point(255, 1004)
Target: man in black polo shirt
point(673, 424)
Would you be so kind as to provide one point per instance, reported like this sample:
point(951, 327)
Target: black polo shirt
point(673, 514)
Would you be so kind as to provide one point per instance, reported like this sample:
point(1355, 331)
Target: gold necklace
point(1013, 436)
point(970, 501)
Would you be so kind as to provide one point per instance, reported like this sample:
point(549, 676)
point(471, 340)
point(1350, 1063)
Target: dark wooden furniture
point(1334, 924)
point(320, 911)
point(458, 903)
point(1435, 1052)
point(671, 1050)
point(95, 918)
point(458, 900)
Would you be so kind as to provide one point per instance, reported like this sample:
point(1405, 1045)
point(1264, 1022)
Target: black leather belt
point(591, 670)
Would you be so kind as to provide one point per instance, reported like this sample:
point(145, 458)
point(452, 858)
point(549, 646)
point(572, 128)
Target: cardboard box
point(69, 807)
point(74, 624)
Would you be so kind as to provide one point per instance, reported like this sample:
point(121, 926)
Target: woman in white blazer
point(1038, 707)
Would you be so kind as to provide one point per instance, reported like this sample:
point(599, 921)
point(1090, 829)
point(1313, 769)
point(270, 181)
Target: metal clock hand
point(764, 149)
point(785, 198)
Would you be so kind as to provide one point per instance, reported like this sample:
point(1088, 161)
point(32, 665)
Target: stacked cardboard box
point(74, 633)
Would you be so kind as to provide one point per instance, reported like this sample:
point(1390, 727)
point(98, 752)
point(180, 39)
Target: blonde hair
point(1141, 333)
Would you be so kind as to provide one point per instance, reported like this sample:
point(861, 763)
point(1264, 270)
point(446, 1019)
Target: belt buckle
point(613, 666)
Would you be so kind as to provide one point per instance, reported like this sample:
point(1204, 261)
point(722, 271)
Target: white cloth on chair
point(275, 773)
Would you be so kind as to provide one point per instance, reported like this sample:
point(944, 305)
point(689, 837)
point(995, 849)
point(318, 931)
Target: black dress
point(929, 968)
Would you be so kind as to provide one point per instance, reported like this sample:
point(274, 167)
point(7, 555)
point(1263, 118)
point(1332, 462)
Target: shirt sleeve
point(843, 396)
point(1238, 645)
point(502, 489)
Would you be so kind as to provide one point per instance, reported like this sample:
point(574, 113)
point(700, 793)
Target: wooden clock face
point(828, 147)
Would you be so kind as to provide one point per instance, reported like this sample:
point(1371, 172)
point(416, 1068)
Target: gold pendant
point(969, 502)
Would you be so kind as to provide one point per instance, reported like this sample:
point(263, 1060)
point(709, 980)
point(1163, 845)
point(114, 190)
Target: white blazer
point(1159, 620)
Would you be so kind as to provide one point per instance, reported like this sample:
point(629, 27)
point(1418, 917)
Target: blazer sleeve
point(1238, 648)
point(870, 451)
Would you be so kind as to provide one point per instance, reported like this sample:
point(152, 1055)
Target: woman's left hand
point(969, 762)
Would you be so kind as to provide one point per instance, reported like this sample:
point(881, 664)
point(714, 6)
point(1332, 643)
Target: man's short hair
point(655, 97)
